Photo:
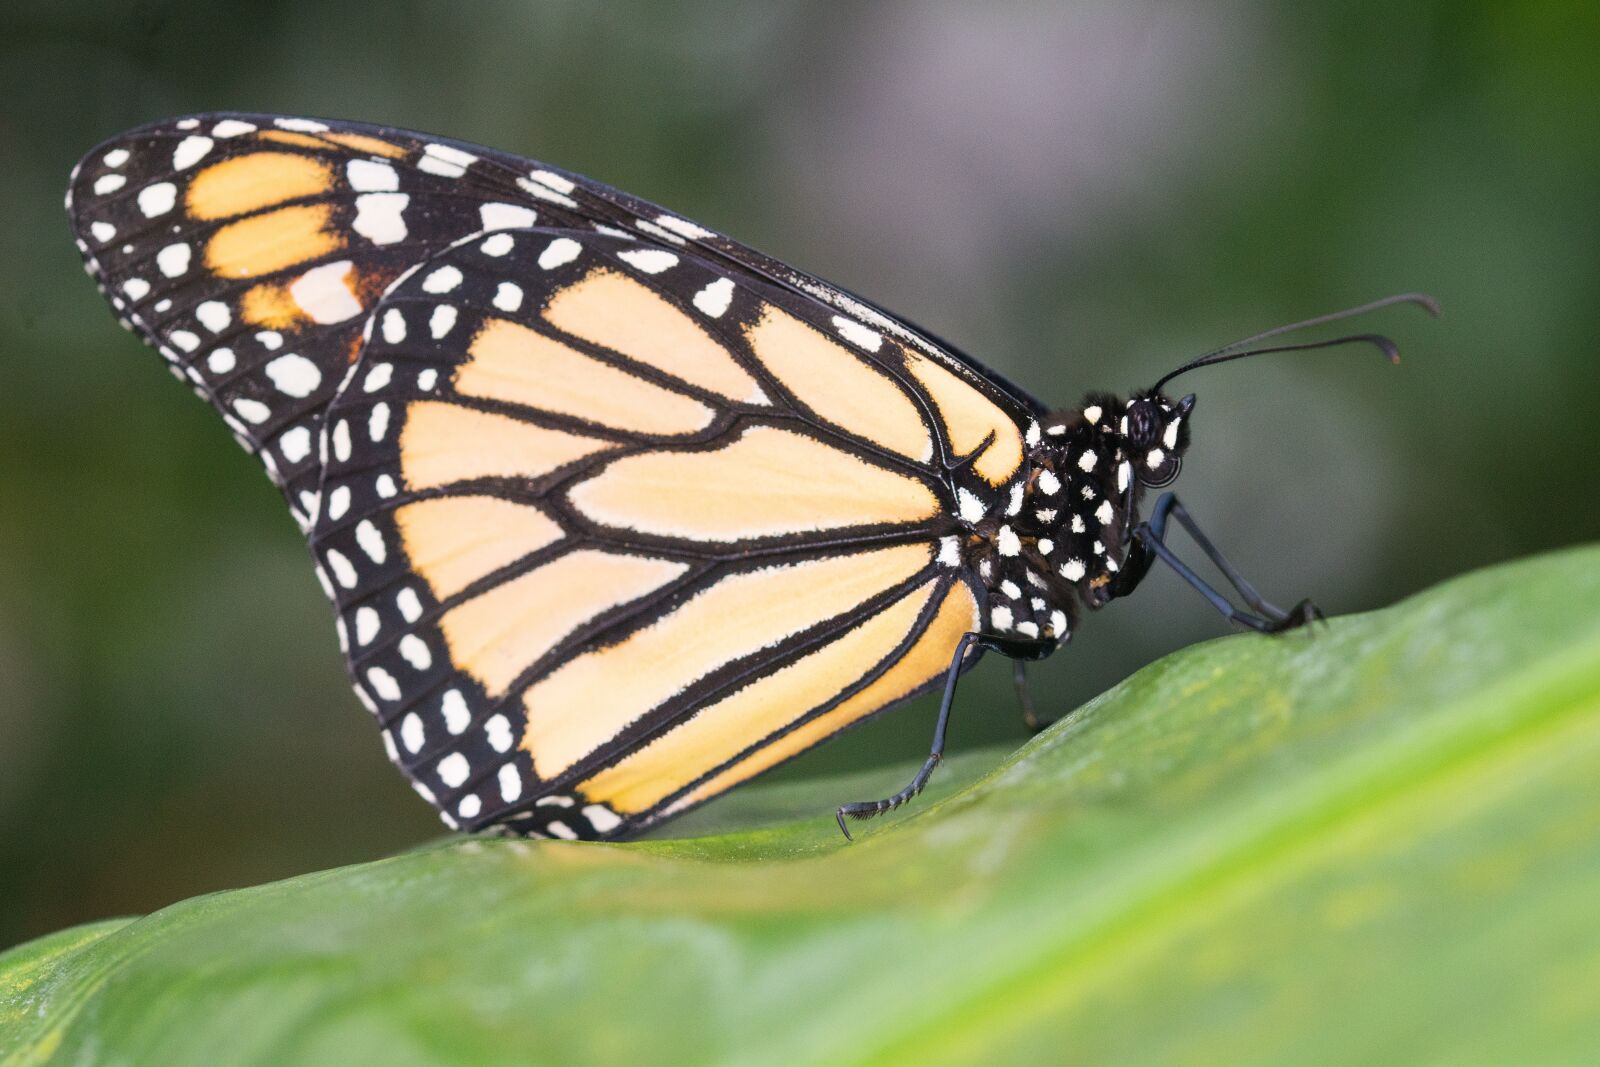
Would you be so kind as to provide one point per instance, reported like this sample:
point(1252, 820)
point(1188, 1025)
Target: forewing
point(249, 249)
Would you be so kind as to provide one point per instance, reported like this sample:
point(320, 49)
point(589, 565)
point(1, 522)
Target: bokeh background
point(1080, 194)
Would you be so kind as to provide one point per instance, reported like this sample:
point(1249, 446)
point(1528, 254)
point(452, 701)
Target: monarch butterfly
point(615, 513)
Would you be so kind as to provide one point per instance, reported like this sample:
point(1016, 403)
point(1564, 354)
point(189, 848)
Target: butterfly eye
point(1144, 425)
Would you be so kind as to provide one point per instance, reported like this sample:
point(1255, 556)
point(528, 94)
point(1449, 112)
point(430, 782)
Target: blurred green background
point(1079, 194)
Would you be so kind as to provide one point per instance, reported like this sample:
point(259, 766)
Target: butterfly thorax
point(1063, 535)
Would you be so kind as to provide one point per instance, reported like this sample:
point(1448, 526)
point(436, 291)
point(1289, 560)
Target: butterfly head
point(1152, 437)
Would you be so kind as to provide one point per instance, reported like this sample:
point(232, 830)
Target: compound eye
point(1143, 425)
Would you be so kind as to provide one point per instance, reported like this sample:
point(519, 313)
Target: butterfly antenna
point(1239, 349)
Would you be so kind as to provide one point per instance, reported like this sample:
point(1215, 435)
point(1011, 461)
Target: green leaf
point(1377, 843)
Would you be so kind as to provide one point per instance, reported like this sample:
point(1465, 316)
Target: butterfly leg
point(1150, 544)
point(1170, 505)
point(1030, 711)
point(869, 809)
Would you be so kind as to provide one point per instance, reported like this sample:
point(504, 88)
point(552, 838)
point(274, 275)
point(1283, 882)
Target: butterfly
point(615, 513)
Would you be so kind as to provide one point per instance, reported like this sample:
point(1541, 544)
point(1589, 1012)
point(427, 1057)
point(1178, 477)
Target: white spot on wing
point(380, 217)
point(294, 375)
point(498, 733)
point(157, 199)
point(371, 176)
point(649, 260)
point(253, 411)
point(682, 226)
point(441, 280)
point(173, 260)
point(343, 571)
point(560, 251)
point(714, 299)
point(454, 708)
point(508, 296)
point(190, 151)
point(378, 422)
point(394, 326)
point(295, 444)
point(411, 733)
point(507, 216)
point(414, 650)
point(551, 180)
point(213, 315)
point(341, 441)
point(453, 769)
point(338, 502)
point(441, 321)
point(367, 625)
point(371, 541)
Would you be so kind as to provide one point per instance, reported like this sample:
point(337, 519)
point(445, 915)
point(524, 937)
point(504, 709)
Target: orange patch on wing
point(266, 243)
point(839, 385)
point(444, 443)
point(515, 364)
point(720, 731)
point(362, 143)
point(246, 183)
point(969, 417)
point(734, 618)
point(925, 661)
point(769, 481)
point(269, 305)
point(497, 635)
point(452, 541)
point(617, 312)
